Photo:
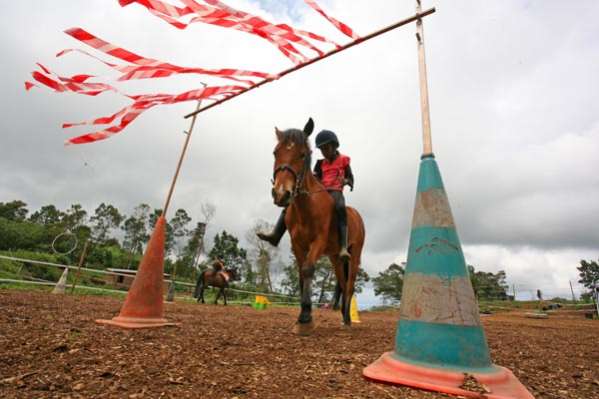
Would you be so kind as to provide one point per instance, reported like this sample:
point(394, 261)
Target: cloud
point(514, 105)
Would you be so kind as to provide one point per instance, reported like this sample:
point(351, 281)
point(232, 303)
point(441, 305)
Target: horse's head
point(233, 273)
point(292, 159)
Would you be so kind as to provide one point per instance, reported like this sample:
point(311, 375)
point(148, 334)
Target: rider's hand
point(347, 182)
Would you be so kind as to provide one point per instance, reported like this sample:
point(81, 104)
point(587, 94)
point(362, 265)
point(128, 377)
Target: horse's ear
point(278, 133)
point(309, 128)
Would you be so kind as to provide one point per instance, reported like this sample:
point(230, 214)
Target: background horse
point(311, 221)
point(218, 277)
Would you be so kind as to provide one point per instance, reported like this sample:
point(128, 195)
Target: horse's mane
point(298, 137)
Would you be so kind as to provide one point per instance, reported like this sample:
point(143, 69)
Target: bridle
point(297, 176)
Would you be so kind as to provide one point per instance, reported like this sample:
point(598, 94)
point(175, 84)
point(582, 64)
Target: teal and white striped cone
point(440, 342)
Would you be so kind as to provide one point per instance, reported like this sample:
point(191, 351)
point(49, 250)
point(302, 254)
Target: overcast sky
point(514, 93)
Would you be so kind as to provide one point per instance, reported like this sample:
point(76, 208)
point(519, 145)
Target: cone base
point(136, 322)
point(502, 383)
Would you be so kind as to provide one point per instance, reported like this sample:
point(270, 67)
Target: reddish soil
point(51, 348)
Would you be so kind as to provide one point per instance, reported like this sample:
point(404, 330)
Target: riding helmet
point(326, 136)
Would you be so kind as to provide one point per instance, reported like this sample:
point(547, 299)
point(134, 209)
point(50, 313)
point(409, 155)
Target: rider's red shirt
point(333, 172)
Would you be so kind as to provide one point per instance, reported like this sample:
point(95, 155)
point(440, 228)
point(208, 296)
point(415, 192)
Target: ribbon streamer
point(282, 36)
point(286, 38)
point(346, 30)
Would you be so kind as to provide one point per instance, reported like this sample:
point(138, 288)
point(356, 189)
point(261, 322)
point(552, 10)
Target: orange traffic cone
point(143, 307)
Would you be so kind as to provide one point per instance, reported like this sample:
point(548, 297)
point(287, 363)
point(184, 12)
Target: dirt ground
point(51, 348)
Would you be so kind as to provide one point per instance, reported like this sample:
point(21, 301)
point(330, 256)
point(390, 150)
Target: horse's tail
point(356, 233)
point(346, 270)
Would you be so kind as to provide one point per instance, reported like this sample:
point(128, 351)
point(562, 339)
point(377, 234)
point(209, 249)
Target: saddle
point(224, 275)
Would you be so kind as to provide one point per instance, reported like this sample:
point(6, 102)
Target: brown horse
point(311, 221)
point(218, 277)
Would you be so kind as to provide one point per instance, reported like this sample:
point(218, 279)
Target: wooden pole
point(424, 104)
point(183, 151)
point(171, 292)
point(572, 290)
point(413, 18)
point(81, 258)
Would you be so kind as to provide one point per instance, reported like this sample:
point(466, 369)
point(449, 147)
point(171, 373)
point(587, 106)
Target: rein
point(298, 176)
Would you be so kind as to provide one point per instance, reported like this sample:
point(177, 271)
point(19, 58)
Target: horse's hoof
point(304, 329)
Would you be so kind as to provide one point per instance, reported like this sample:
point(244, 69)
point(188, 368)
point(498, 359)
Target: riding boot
point(275, 236)
point(343, 253)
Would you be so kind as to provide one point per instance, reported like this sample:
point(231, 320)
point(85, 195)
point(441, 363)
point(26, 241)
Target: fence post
point(81, 259)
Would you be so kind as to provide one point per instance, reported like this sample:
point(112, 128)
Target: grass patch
point(25, 287)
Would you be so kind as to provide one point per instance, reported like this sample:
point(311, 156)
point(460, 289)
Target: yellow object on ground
point(353, 310)
point(261, 302)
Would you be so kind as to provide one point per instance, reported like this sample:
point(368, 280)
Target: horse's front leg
point(337, 296)
point(224, 294)
point(307, 274)
point(196, 291)
point(217, 296)
point(201, 294)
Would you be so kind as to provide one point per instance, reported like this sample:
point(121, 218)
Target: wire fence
point(521, 291)
point(293, 300)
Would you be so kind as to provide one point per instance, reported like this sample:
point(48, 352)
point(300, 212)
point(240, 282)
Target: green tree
point(106, 218)
point(74, 217)
point(290, 281)
point(589, 274)
point(47, 215)
point(361, 279)
point(323, 284)
point(14, 210)
point(136, 231)
point(179, 229)
point(20, 235)
point(195, 245)
point(179, 232)
point(262, 254)
point(226, 248)
point(389, 283)
point(487, 285)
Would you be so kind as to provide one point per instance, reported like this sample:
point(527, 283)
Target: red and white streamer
point(147, 68)
point(217, 13)
point(286, 38)
point(76, 84)
point(141, 104)
point(346, 30)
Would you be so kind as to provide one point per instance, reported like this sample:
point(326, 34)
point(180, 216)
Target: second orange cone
point(143, 307)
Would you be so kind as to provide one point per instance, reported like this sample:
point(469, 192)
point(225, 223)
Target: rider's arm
point(349, 177)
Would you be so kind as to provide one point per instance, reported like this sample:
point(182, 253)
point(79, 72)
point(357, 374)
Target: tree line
point(118, 241)
point(486, 285)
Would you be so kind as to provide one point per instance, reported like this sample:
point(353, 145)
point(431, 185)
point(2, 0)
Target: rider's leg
point(277, 233)
point(341, 223)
